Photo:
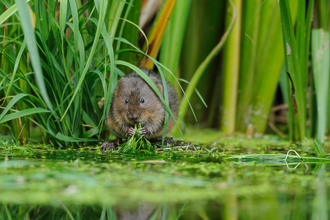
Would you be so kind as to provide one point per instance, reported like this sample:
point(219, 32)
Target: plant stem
point(231, 72)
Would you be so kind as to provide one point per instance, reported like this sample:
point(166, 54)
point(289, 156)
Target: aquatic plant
point(137, 143)
point(296, 57)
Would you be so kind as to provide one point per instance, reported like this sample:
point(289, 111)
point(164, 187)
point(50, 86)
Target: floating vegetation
point(253, 177)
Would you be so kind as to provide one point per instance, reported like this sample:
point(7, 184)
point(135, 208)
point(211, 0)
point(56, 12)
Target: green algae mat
point(229, 178)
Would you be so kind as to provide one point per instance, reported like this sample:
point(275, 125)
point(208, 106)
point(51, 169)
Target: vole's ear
point(160, 87)
point(120, 88)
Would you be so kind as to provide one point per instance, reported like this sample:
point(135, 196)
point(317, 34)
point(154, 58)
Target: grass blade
point(320, 63)
point(250, 30)
point(8, 13)
point(24, 14)
point(157, 33)
point(23, 113)
point(295, 59)
point(200, 70)
point(173, 38)
point(11, 104)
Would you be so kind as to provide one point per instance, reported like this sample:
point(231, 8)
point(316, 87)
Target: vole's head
point(135, 101)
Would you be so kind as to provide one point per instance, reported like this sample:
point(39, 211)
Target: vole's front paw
point(109, 145)
point(143, 131)
point(131, 131)
point(169, 141)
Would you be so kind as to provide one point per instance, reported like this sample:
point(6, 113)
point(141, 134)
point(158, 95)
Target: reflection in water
point(320, 207)
point(140, 212)
point(297, 205)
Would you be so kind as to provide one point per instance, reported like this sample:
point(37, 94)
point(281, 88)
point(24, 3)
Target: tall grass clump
point(61, 59)
point(296, 47)
point(264, 49)
point(59, 70)
point(63, 72)
point(204, 30)
point(250, 75)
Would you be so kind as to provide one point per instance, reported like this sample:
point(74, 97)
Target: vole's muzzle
point(132, 117)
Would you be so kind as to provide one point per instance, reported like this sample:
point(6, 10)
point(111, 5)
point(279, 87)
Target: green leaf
point(12, 103)
point(23, 113)
point(28, 30)
point(296, 54)
point(320, 64)
point(173, 38)
point(66, 138)
point(8, 13)
point(16, 66)
point(319, 149)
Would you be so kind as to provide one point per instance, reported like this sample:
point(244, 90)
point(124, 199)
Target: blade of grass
point(322, 14)
point(197, 92)
point(116, 8)
point(204, 29)
point(173, 38)
point(129, 32)
point(156, 34)
point(67, 212)
point(293, 61)
point(312, 110)
point(25, 19)
point(320, 64)
point(250, 29)
point(200, 70)
point(11, 104)
point(23, 113)
point(319, 149)
point(320, 200)
point(16, 66)
point(8, 13)
point(7, 211)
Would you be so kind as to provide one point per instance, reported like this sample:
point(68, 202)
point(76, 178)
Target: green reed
point(69, 63)
point(296, 47)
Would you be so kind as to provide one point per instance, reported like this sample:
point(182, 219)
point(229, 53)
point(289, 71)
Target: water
point(40, 183)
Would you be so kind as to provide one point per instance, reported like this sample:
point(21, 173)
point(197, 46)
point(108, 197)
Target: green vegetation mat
point(228, 173)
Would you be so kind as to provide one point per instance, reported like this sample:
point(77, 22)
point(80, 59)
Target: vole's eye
point(126, 101)
point(142, 100)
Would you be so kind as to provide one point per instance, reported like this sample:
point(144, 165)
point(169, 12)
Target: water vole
point(135, 102)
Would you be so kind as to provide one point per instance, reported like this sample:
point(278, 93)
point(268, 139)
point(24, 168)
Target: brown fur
point(150, 114)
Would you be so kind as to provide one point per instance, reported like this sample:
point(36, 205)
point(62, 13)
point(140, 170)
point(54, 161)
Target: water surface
point(43, 183)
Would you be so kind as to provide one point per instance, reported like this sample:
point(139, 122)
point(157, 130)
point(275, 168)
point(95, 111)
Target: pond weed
point(137, 143)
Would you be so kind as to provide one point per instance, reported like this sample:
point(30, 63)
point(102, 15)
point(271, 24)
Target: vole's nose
point(131, 116)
